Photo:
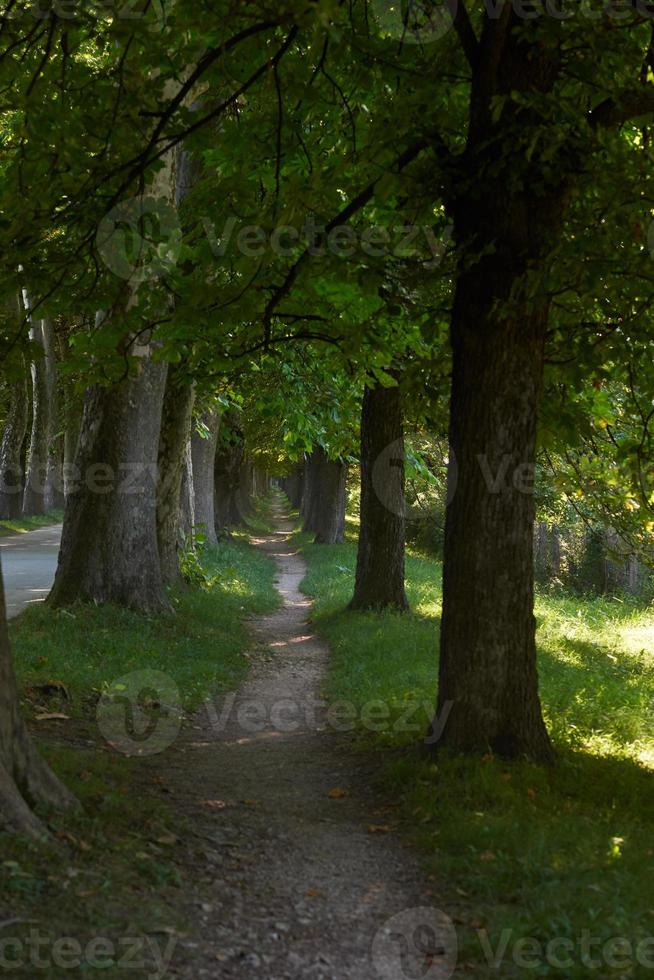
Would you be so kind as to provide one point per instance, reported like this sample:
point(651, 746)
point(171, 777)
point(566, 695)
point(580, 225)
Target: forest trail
point(290, 882)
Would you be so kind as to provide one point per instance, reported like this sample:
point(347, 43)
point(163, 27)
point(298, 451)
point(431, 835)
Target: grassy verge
point(85, 648)
point(30, 523)
point(519, 852)
point(117, 873)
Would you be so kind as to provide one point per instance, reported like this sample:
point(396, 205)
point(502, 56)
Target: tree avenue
point(307, 246)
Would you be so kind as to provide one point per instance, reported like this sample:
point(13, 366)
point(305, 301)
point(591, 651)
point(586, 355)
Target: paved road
point(29, 562)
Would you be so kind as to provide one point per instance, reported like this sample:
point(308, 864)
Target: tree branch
point(464, 30)
point(629, 105)
point(355, 205)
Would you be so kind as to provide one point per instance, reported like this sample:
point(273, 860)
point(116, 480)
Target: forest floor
point(256, 843)
point(295, 828)
point(297, 873)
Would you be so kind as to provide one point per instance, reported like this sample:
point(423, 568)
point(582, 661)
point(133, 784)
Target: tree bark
point(187, 501)
point(488, 652)
point(109, 547)
point(506, 225)
point(310, 491)
point(292, 486)
point(176, 421)
point(379, 582)
point(37, 461)
point(229, 459)
point(54, 481)
point(245, 488)
point(11, 452)
point(326, 508)
point(25, 779)
point(203, 451)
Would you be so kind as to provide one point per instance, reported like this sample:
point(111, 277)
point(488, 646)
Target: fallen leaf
point(382, 828)
point(337, 793)
point(168, 839)
point(487, 856)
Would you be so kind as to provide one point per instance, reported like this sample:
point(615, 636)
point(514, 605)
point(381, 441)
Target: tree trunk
point(54, 481)
point(379, 582)
point(508, 202)
point(203, 451)
point(69, 408)
point(488, 651)
point(109, 547)
point(176, 421)
point(25, 779)
point(292, 486)
point(311, 490)
point(37, 462)
point(245, 488)
point(229, 460)
point(326, 509)
point(11, 452)
point(187, 495)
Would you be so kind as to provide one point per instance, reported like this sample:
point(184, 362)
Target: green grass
point(110, 870)
point(85, 648)
point(542, 853)
point(30, 523)
point(120, 870)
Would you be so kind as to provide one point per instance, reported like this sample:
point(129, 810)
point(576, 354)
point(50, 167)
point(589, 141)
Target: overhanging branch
point(619, 110)
point(464, 30)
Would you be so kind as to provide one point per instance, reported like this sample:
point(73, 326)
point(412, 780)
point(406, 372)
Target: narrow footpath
point(295, 875)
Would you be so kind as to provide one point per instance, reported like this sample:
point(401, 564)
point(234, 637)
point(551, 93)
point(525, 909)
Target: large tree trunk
point(488, 650)
point(379, 580)
point(176, 420)
point(25, 779)
point(506, 224)
point(37, 462)
point(11, 452)
point(203, 451)
point(109, 547)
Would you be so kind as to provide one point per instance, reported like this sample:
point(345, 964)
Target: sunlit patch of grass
point(24, 524)
point(517, 851)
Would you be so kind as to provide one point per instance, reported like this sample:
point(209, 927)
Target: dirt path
point(290, 882)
